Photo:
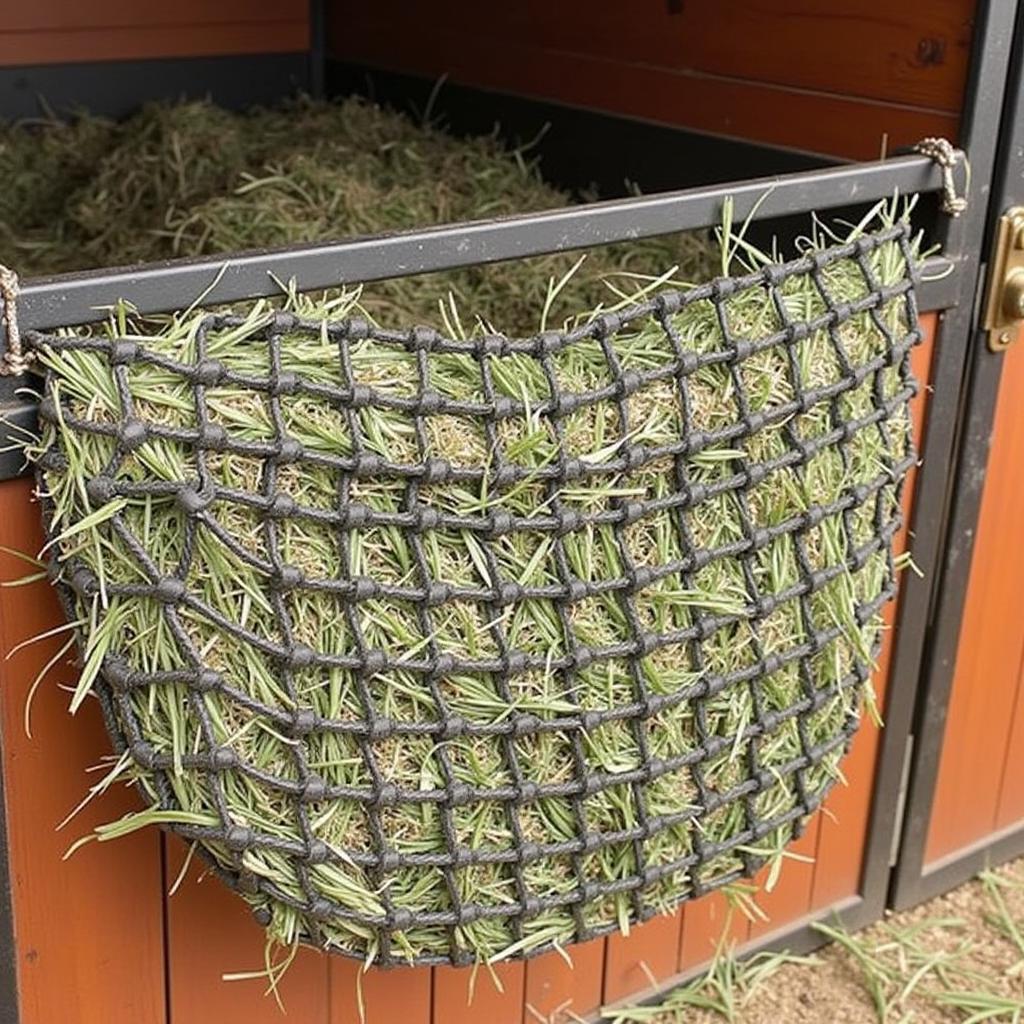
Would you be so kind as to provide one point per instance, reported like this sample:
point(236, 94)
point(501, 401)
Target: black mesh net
point(448, 647)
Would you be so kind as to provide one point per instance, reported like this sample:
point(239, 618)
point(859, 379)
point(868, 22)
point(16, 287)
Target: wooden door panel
point(980, 716)
point(88, 930)
point(210, 934)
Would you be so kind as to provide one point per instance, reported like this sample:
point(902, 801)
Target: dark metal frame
point(117, 88)
point(74, 299)
point(70, 299)
point(913, 879)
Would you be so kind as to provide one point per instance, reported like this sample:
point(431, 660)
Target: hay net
point(442, 648)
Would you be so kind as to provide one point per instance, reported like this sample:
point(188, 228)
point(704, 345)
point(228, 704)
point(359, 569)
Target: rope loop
point(15, 361)
point(942, 152)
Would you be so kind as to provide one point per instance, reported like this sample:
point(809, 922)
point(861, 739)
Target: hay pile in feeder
point(470, 659)
point(192, 179)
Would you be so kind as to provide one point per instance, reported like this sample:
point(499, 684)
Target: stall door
point(965, 804)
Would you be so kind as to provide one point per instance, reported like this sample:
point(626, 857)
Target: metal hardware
point(1004, 300)
point(943, 153)
point(71, 299)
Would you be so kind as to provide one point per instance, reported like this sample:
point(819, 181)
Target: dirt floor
point(956, 959)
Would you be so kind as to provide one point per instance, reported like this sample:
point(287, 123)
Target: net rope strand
point(232, 846)
point(942, 152)
point(15, 360)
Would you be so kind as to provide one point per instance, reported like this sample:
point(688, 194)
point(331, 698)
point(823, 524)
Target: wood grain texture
point(846, 816)
point(834, 79)
point(986, 677)
point(465, 994)
point(46, 15)
point(915, 53)
point(62, 31)
point(210, 933)
point(559, 991)
point(399, 996)
point(648, 955)
point(709, 924)
point(88, 930)
point(790, 897)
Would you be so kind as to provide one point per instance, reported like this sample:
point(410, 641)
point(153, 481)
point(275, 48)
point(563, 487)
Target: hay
point(191, 180)
point(224, 578)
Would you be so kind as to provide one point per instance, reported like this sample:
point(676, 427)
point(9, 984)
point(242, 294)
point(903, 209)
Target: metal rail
point(70, 299)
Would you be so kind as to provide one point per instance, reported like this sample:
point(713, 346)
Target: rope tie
point(15, 361)
point(942, 152)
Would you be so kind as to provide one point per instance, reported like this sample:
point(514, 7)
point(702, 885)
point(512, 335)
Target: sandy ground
point(950, 945)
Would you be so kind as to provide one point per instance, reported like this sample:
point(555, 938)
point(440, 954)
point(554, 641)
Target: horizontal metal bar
point(79, 298)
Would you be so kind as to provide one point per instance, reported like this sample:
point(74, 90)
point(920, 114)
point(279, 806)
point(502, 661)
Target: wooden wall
point(827, 77)
point(65, 31)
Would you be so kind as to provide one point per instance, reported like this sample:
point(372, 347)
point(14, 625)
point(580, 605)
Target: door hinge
point(1004, 299)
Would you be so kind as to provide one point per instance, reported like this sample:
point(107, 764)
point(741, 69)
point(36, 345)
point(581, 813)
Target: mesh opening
point(455, 647)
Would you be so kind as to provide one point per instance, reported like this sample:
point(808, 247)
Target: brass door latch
point(1004, 300)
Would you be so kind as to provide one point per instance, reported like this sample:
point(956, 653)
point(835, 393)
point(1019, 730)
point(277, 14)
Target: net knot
point(942, 152)
point(15, 362)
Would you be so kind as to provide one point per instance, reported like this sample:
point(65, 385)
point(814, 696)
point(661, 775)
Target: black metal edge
point(118, 88)
point(597, 154)
point(913, 881)
point(797, 938)
point(317, 47)
point(963, 865)
point(9, 1012)
point(945, 591)
point(71, 299)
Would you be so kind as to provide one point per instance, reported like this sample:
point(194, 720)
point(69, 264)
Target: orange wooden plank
point(465, 996)
point(649, 954)
point(843, 828)
point(143, 42)
point(88, 931)
point(708, 924)
point(913, 53)
point(210, 933)
point(829, 123)
point(985, 678)
point(557, 991)
point(1011, 791)
point(790, 898)
point(401, 995)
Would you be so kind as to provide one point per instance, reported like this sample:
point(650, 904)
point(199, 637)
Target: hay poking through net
point(456, 647)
